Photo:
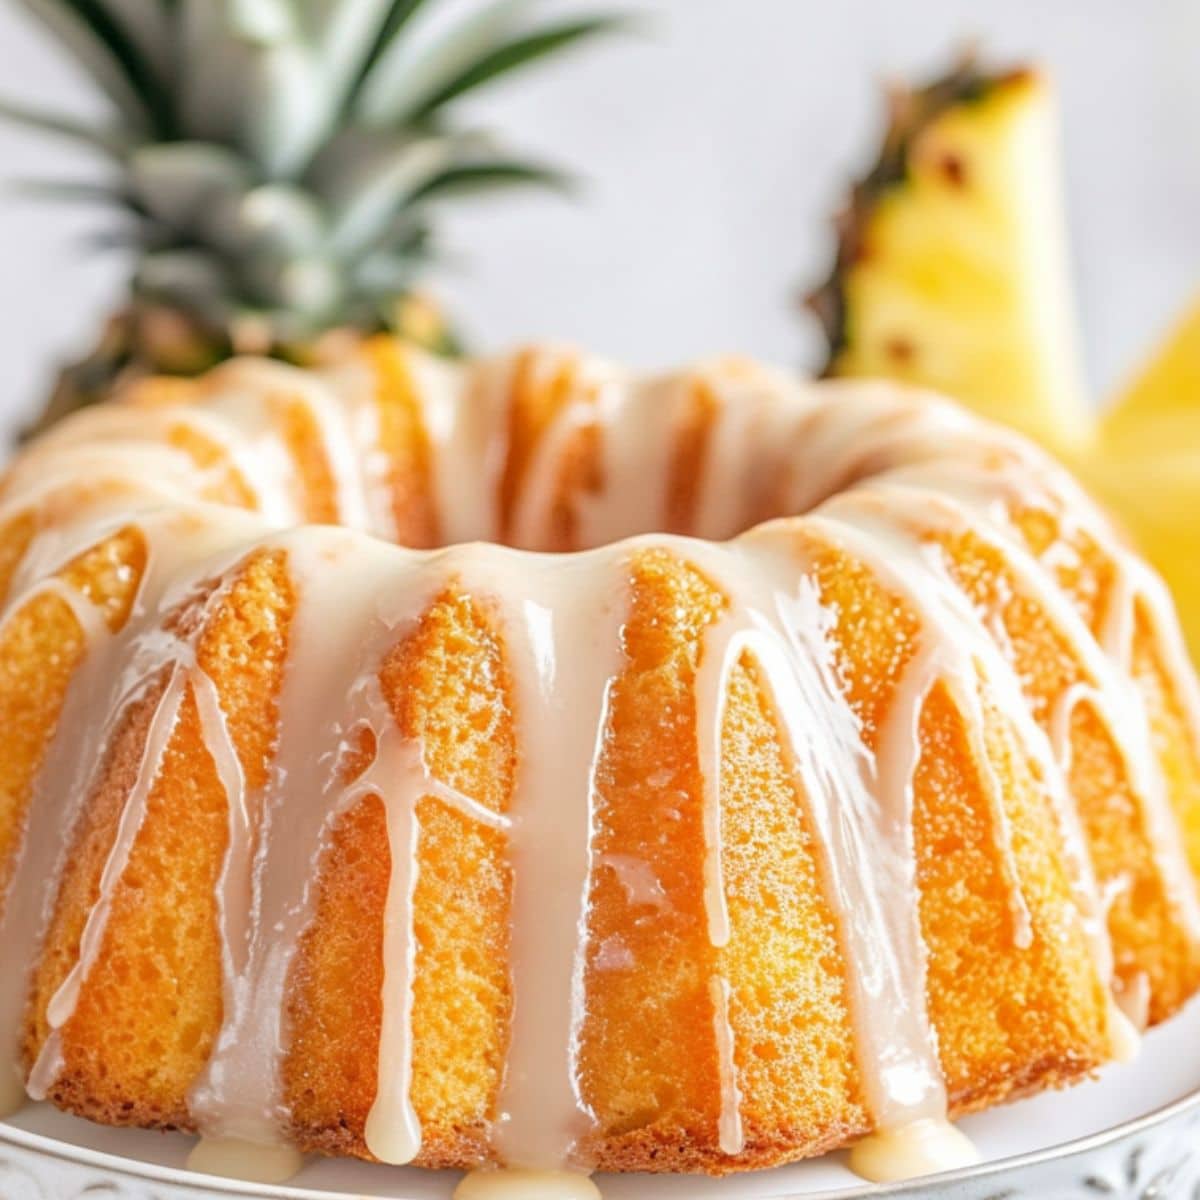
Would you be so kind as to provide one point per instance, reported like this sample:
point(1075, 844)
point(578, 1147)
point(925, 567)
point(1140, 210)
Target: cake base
point(1135, 1130)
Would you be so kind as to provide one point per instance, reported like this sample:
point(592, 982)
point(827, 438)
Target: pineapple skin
point(149, 340)
point(956, 277)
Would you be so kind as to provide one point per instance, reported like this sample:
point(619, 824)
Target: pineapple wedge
point(1162, 404)
point(952, 266)
point(1155, 495)
point(952, 273)
point(1147, 466)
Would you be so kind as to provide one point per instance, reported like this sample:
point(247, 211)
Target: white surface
point(715, 146)
point(1167, 1070)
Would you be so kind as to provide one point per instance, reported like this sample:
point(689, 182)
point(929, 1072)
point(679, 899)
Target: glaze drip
point(117, 673)
point(249, 1161)
point(266, 903)
point(540, 1111)
point(526, 1185)
point(863, 831)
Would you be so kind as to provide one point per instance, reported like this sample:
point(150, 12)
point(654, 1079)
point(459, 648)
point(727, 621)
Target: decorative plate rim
point(65, 1151)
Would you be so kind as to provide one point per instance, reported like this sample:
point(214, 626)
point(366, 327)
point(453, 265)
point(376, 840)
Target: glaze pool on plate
point(1064, 1141)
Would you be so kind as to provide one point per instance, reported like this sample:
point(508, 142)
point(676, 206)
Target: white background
point(714, 146)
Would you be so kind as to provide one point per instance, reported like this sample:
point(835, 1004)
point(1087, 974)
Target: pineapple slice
point(1162, 405)
point(1155, 495)
point(1147, 466)
point(952, 266)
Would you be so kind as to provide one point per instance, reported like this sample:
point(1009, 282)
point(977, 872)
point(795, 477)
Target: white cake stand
point(1132, 1135)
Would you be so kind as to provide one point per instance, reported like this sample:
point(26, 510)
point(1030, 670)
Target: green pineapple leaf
point(271, 219)
point(409, 71)
point(108, 141)
point(180, 183)
point(263, 22)
point(276, 165)
point(76, 191)
point(366, 179)
point(103, 46)
point(150, 24)
point(397, 15)
point(471, 178)
point(513, 55)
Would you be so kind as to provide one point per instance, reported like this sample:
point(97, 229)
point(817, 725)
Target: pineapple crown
point(277, 161)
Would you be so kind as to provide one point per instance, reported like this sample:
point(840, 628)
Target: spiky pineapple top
point(951, 265)
point(275, 163)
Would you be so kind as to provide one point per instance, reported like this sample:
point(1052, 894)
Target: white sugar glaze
point(879, 471)
point(116, 672)
point(923, 1148)
point(863, 829)
point(254, 1162)
point(526, 1185)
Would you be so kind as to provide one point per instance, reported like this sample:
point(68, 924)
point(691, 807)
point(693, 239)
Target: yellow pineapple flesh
point(952, 269)
point(1162, 403)
point(1147, 466)
point(1156, 497)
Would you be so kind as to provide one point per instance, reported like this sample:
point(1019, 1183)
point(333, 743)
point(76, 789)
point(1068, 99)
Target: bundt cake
point(528, 763)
